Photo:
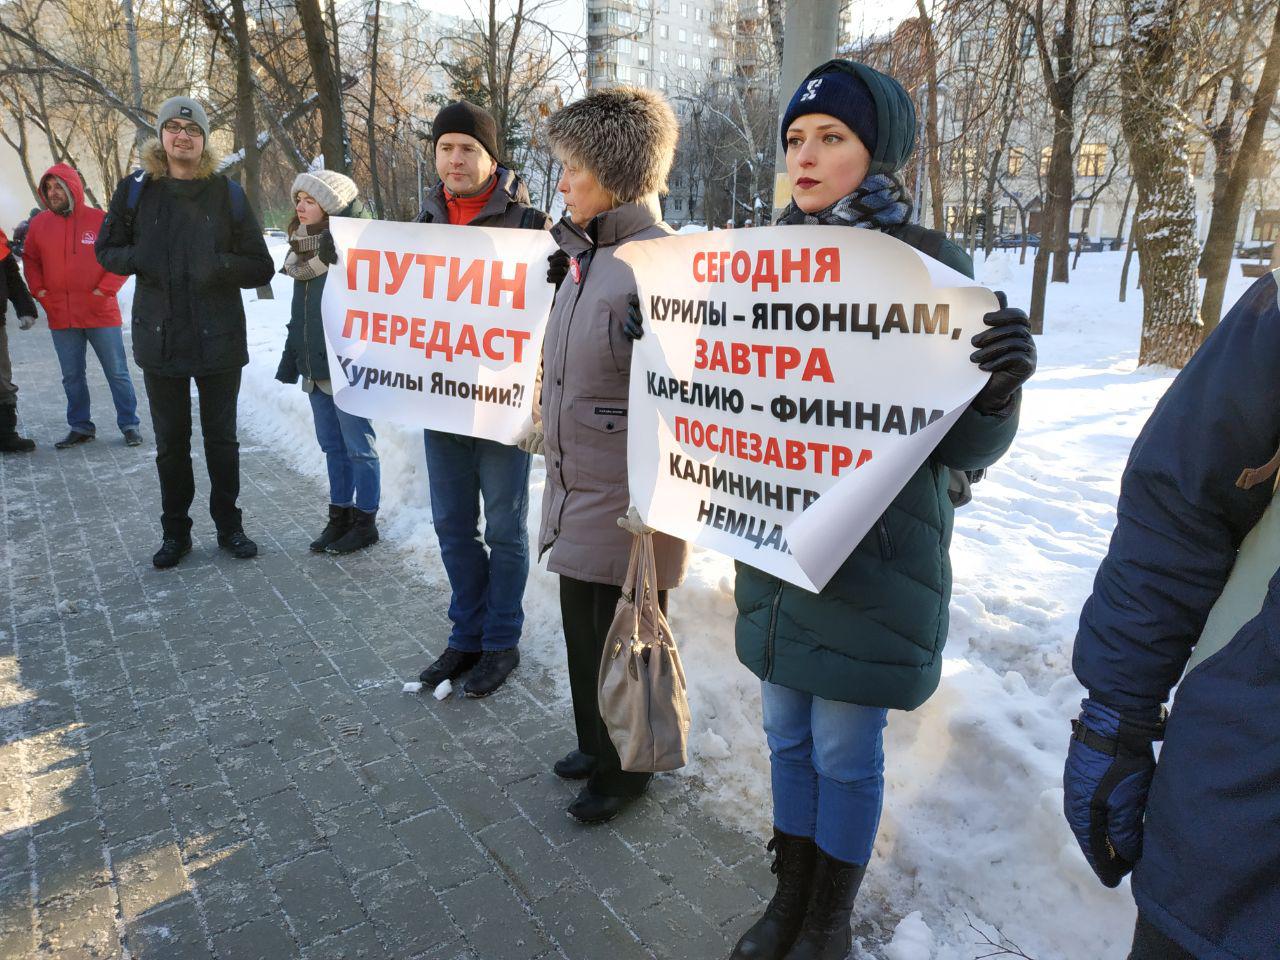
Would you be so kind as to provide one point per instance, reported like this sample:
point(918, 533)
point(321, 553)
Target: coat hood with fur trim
point(626, 136)
point(156, 162)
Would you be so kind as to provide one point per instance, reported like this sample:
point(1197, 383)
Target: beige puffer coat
point(586, 367)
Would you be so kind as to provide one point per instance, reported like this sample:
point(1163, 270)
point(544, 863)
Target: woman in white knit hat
point(348, 441)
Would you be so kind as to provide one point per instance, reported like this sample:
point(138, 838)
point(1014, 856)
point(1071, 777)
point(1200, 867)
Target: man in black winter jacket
point(188, 236)
point(13, 290)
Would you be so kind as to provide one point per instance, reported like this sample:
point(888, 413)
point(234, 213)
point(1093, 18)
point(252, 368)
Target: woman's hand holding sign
point(1007, 351)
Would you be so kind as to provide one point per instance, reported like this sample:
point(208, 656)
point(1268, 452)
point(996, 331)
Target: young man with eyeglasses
point(187, 234)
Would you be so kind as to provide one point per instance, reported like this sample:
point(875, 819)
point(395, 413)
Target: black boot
point(770, 937)
point(238, 544)
point(825, 933)
point(450, 665)
point(491, 672)
point(340, 521)
point(592, 808)
point(10, 442)
point(575, 765)
point(362, 533)
point(172, 549)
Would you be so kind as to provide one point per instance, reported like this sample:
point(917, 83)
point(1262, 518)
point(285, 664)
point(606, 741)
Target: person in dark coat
point(833, 664)
point(617, 147)
point(486, 606)
point(348, 441)
point(1189, 595)
point(12, 290)
point(18, 243)
point(193, 243)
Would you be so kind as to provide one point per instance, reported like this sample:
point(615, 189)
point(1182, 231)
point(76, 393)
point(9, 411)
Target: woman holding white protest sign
point(348, 441)
point(833, 664)
point(617, 147)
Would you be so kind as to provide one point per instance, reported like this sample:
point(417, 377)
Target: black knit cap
point(872, 104)
point(466, 117)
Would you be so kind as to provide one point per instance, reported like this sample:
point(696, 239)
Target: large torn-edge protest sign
point(437, 326)
point(789, 382)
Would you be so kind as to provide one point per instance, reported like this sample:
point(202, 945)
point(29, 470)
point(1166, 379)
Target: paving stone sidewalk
point(217, 760)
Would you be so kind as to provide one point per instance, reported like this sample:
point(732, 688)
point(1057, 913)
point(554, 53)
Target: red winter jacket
point(62, 271)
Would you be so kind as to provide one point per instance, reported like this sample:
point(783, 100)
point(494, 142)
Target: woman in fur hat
point(617, 147)
point(833, 664)
point(348, 441)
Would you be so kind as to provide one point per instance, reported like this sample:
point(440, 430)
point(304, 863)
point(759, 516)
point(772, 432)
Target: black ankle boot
point(772, 935)
point(362, 533)
point(10, 441)
point(825, 933)
point(339, 523)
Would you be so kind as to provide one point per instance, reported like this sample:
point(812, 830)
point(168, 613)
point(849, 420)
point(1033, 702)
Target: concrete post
point(810, 34)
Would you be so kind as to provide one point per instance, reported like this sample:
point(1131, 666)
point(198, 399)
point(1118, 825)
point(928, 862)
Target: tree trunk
point(246, 121)
point(141, 133)
point(371, 124)
point(1216, 261)
point(933, 151)
point(1223, 138)
point(1165, 222)
point(332, 128)
point(1128, 259)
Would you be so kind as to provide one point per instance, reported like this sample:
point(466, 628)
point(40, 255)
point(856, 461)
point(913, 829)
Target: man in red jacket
point(80, 298)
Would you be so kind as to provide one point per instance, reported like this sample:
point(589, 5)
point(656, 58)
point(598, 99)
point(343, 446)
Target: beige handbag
point(641, 686)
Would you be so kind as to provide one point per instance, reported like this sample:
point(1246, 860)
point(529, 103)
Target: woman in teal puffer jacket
point(348, 442)
point(833, 664)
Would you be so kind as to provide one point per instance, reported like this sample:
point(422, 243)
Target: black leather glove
point(1006, 351)
point(557, 268)
point(634, 327)
point(326, 251)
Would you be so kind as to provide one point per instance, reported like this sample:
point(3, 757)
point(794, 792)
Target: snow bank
point(972, 828)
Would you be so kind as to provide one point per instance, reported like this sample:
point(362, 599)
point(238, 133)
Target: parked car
point(276, 233)
point(1088, 244)
point(1255, 250)
point(1013, 241)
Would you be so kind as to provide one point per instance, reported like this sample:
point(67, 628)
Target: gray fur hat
point(626, 136)
point(332, 190)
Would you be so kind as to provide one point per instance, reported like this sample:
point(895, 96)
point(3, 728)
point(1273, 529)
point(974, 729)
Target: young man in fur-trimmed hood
point(187, 234)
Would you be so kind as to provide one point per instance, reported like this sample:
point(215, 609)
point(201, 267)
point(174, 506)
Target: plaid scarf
point(302, 263)
point(878, 203)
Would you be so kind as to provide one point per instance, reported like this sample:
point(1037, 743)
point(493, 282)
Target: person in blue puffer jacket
point(1189, 594)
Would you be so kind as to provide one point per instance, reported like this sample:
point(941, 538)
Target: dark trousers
point(170, 401)
point(1150, 944)
point(587, 610)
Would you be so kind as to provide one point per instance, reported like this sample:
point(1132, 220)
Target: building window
point(680, 60)
point(624, 45)
point(662, 79)
point(697, 63)
point(697, 39)
point(684, 10)
point(642, 78)
point(1046, 157)
point(1108, 29)
point(662, 58)
point(974, 46)
point(1017, 156)
point(664, 31)
point(684, 35)
point(711, 42)
point(1092, 161)
point(1196, 154)
point(623, 72)
point(698, 14)
point(642, 53)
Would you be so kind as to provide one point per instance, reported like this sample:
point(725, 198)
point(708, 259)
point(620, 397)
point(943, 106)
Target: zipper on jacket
point(886, 541)
point(771, 634)
point(306, 340)
point(564, 360)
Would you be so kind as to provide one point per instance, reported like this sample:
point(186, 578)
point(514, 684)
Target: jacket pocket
point(886, 540)
point(598, 454)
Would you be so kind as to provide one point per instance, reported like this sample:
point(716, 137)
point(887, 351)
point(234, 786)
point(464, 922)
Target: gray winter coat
point(586, 369)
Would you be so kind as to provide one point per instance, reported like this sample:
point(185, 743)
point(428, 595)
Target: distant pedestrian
point(19, 239)
point(12, 290)
point(79, 297)
point(189, 236)
point(486, 606)
point(348, 441)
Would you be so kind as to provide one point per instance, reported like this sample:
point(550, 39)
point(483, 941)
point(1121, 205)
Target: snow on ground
point(972, 828)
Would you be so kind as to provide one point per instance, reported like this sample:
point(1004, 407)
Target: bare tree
point(333, 138)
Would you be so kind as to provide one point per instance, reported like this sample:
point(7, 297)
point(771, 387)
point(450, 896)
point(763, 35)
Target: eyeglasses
point(190, 129)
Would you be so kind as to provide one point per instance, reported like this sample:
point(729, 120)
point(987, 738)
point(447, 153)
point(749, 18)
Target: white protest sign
point(437, 326)
point(789, 382)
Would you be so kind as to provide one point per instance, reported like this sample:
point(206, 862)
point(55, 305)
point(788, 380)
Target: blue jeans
point(827, 762)
point(108, 344)
point(488, 588)
point(355, 475)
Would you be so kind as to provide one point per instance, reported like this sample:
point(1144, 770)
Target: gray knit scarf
point(878, 203)
point(302, 263)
